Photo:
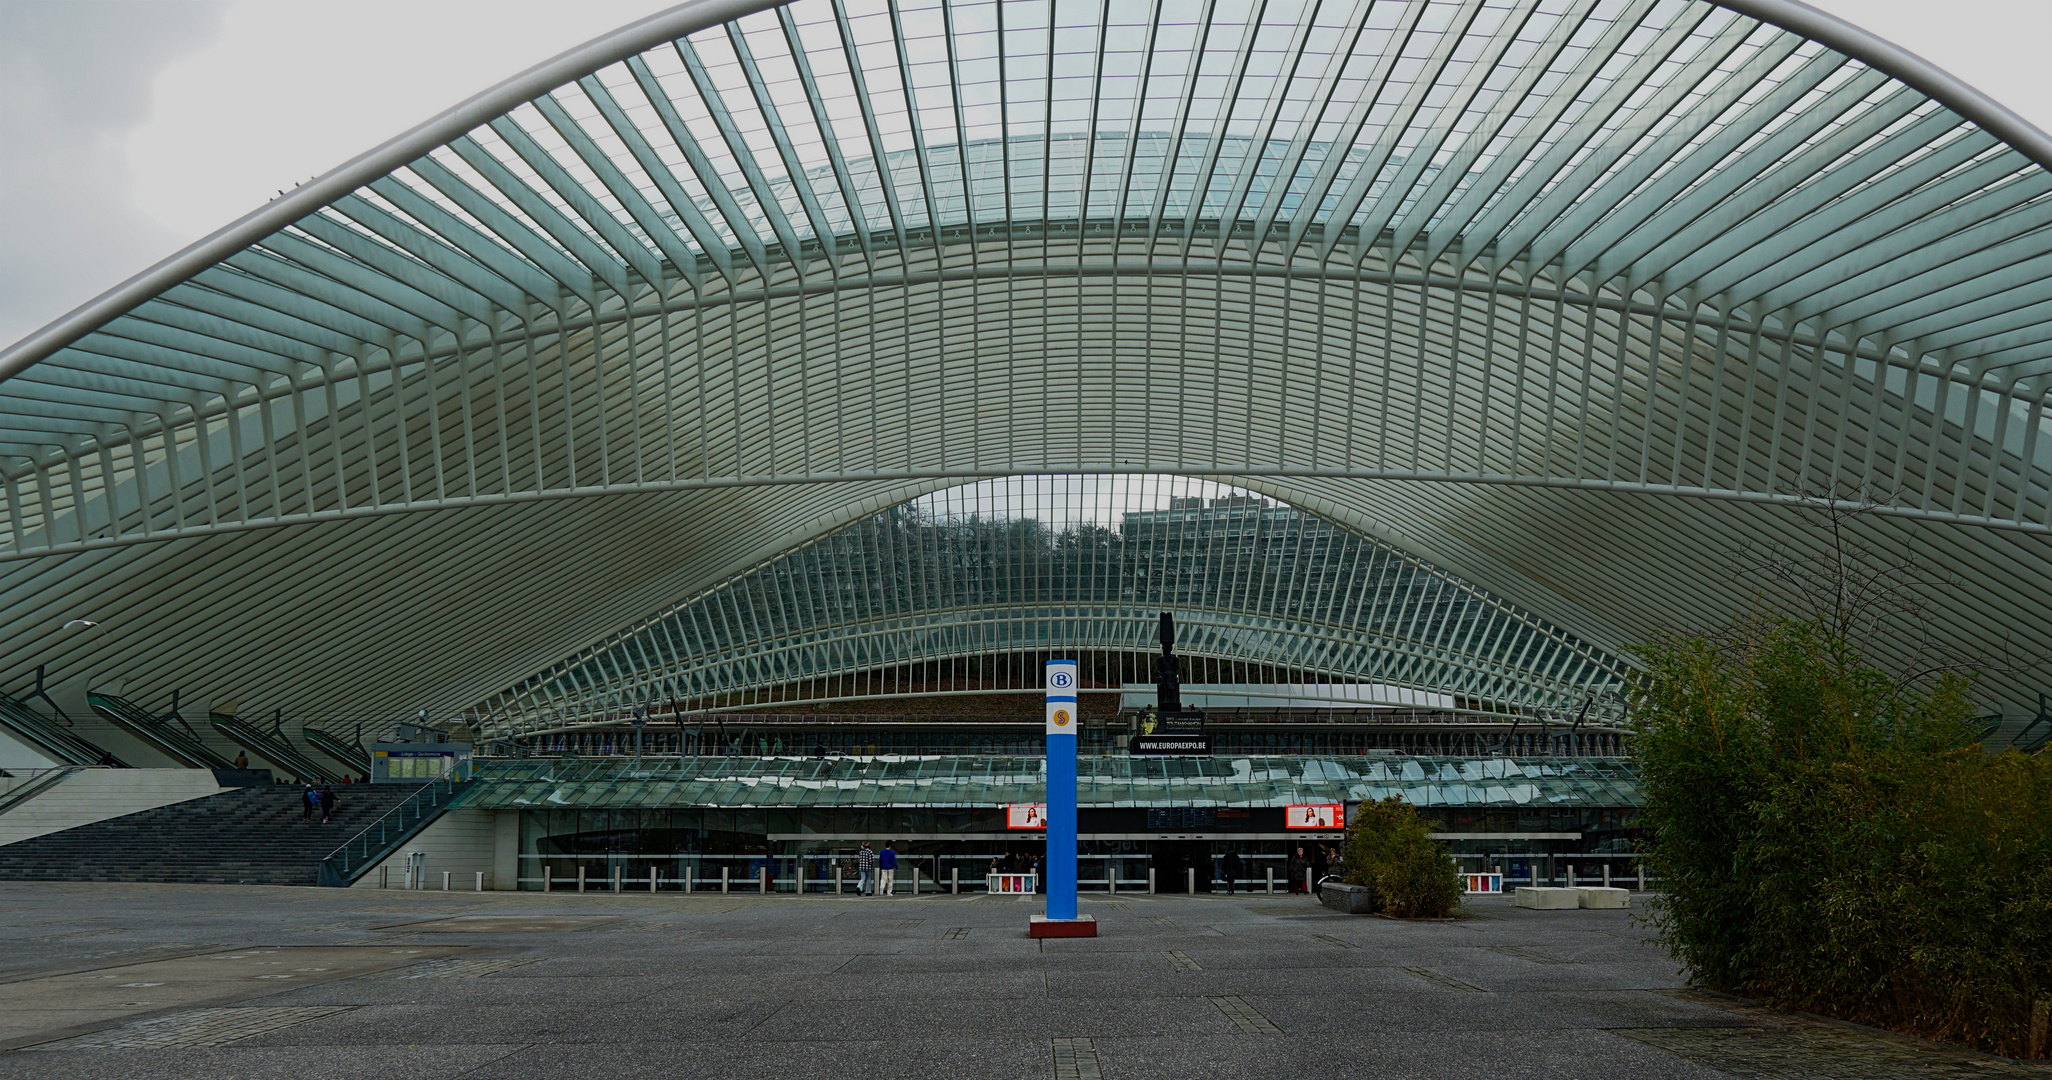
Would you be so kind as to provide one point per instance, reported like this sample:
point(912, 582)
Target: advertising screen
point(1026, 816)
point(1314, 816)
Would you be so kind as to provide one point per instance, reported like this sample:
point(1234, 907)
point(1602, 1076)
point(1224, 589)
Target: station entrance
point(953, 850)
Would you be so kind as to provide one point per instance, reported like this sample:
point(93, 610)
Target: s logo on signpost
point(1061, 718)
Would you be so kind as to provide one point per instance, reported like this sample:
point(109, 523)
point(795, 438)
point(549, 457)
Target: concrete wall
point(98, 794)
point(462, 842)
point(505, 850)
point(16, 754)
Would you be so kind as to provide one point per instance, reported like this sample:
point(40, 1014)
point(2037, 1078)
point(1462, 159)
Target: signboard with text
point(1314, 816)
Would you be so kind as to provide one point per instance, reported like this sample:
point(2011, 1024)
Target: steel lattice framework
point(1570, 297)
point(883, 606)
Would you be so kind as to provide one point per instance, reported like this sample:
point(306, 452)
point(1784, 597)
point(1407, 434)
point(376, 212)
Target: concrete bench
point(1548, 899)
point(1350, 899)
point(1600, 897)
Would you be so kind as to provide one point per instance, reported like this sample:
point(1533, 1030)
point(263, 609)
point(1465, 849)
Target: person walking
point(887, 869)
point(327, 804)
point(1230, 867)
point(309, 801)
point(1320, 859)
point(1297, 867)
point(241, 760)
point(865, 869)
point(1040, 873)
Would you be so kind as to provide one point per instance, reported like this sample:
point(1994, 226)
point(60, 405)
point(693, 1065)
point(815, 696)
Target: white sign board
point(1061, 697)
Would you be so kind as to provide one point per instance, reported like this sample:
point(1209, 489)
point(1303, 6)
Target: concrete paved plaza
point(141, 981)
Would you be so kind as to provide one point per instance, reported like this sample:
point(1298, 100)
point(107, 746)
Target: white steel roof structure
point(1571, 297)
point(975, 586)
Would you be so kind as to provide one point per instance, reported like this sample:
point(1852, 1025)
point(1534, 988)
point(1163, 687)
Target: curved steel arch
point(1568, 297)
point(976, 574)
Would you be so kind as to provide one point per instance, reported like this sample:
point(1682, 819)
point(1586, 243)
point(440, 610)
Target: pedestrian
point(887, 869)
point(865, 868)
point(819, 749)
point(327, 803)
point(241, 760)
point(1230, 866)
point(1320, 859)
point(309, 801)
point(1297, 866)
point(1040, 873)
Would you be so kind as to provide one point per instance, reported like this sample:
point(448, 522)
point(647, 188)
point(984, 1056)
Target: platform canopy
point(1590, 304)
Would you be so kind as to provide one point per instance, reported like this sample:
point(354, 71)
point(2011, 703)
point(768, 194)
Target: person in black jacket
point(1230, 867)
point(327, 803)
point(309, 801)
point(1298, 865)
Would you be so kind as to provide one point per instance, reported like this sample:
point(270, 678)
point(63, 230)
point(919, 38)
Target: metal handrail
point(187, 747)
point(391, 828)
point(42, 781)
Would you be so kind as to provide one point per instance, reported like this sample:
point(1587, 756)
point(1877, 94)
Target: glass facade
point(798, 820)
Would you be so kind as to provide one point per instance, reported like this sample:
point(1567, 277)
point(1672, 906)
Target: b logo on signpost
point(1062, 683)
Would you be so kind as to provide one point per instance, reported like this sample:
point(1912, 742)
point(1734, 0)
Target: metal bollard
point(1150, 881)
point(1307, 883)
point(724, 870)
point(1191, 875)
point(955, 881)
point(616, 879)
point(580, 877)
point(548, 873)
point(1271, 881)
point(384, 877)
point(837, 879)
point(1606, 875)
point(445, 881)
point(1111, 876)
point(1571, 875)
point(653, 878)
point(1642, 877)
point(480, 881)
point(687, 879)
point(762, 881)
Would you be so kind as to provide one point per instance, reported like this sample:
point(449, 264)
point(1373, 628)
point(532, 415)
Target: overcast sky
point(130, 128)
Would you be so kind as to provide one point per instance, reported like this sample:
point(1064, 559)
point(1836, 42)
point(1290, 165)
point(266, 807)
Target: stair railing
point(392, 828)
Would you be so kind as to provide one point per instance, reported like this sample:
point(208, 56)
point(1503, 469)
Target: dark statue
point(1168, 676)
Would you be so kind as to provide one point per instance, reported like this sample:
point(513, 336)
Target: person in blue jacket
point(887, 870)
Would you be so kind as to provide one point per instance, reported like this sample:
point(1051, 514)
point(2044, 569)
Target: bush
point(1390, 849)
point(1829, 839)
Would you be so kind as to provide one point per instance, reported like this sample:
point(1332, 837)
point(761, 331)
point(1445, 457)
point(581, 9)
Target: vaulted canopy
point(1574, 299)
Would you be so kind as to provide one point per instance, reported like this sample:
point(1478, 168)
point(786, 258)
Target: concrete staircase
point(251, 836)
point(89, 795)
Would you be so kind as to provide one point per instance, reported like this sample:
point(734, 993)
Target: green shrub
point(1831, 840)
point(1390, 849)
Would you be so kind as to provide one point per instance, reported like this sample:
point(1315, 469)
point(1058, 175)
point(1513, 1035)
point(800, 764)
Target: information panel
point(1314, 816)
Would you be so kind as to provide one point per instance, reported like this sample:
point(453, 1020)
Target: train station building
point(680, 460)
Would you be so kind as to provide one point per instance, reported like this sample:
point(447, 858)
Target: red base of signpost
point(1041, 926)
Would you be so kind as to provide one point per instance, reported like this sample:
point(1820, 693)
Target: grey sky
point(130, 128)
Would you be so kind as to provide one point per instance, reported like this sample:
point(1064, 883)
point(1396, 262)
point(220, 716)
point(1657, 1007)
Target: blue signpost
point(1061, 919)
